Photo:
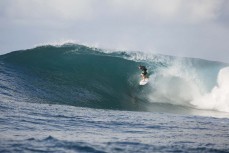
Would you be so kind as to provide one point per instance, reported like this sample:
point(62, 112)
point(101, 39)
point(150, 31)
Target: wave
point(90, 77)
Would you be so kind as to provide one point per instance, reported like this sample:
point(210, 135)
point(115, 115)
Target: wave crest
point(90, 77)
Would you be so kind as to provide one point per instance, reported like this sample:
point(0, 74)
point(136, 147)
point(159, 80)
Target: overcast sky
point(191, 28)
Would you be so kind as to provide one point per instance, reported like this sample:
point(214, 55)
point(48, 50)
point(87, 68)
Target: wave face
point(88, 77)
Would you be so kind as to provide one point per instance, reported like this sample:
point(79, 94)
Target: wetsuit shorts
point(144, 72)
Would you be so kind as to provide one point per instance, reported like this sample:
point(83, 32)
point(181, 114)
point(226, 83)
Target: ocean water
point(73, 98)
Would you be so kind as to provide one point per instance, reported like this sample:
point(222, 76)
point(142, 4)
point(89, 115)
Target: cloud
point(47, 9)
point(181, 11)
point(196, 28)
point(203, 10)
point(194, 11)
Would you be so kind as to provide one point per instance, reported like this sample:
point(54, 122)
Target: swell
point(88, 77)
point(72, 74)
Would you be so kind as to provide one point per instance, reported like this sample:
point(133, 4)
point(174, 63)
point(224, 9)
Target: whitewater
point(74, 98)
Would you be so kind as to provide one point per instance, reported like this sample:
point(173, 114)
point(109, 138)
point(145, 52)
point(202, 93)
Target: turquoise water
point(73, 98)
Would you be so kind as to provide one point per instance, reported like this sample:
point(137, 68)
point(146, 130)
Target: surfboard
point(144, 82)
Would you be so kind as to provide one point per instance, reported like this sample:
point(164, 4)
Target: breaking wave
point(77, 75)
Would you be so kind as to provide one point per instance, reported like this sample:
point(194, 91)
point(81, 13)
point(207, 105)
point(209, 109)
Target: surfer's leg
point(142, 76)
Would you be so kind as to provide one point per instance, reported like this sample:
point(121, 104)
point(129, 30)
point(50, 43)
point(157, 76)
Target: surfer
point(144, 71)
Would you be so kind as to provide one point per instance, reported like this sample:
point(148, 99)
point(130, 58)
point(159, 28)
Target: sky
point(188, 28)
